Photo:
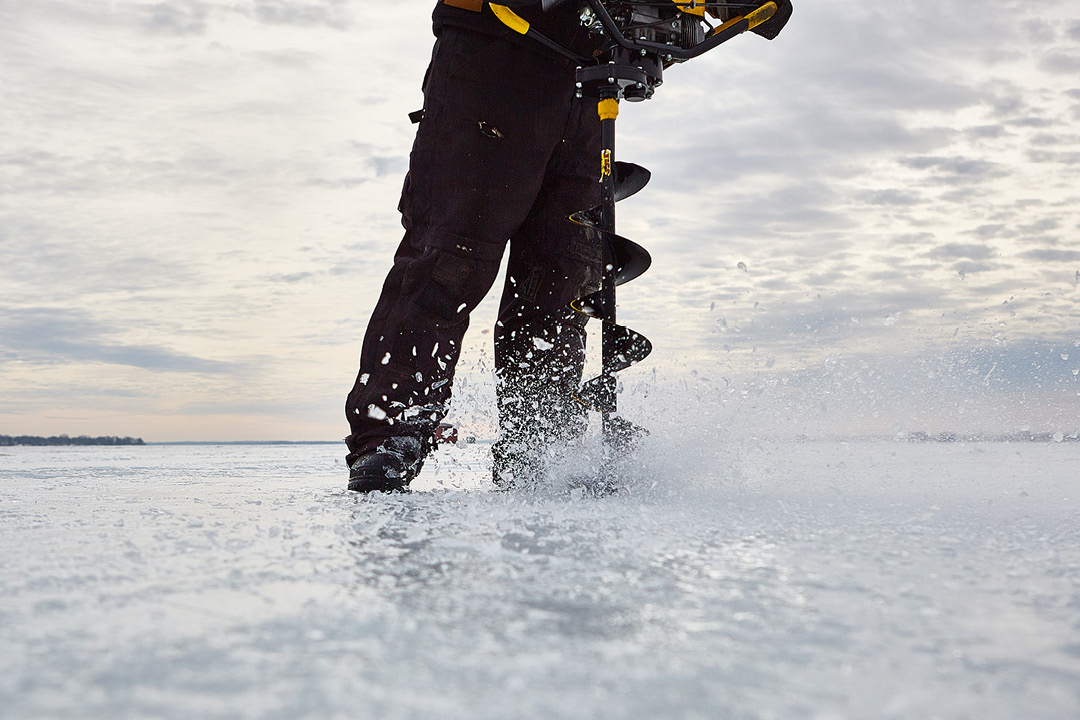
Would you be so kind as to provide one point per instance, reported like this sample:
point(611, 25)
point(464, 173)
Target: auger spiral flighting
point(640, 38)
point(623, 260)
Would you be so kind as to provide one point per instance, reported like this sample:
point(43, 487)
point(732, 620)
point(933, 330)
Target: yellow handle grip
point(762, 14)
point(510, 18)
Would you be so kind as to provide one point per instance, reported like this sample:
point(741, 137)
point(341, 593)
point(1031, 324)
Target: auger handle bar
point(717, 36)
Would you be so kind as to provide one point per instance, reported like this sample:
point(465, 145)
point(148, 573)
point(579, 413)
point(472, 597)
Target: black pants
point(505, 153)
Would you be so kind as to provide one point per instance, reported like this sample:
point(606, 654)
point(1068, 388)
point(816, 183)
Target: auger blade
point(593, 305)
point(629, 178)
point(598, 394)
point(625, 434)
point(631, 260)
point(589, 218)
point(630, 347)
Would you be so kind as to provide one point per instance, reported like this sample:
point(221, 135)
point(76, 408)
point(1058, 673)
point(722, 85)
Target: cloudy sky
point(871, 223)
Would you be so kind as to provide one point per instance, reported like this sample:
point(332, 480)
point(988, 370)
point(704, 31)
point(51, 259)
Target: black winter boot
point(389, 468)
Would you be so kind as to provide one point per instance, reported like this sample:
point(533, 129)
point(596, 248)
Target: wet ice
point(751, 580)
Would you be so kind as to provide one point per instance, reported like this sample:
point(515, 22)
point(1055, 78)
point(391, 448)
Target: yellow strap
point(510, 18)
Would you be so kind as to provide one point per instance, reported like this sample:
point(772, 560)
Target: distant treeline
point(9, 440)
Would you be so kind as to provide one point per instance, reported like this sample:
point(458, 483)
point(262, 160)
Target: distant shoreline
point(248, 442)
point(63, 440)
point(110, 441)
point(917, 437)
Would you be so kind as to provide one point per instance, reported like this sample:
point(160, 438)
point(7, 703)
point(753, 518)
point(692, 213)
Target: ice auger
point(641, 38)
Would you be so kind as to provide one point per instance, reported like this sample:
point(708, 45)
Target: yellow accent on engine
point(608, 109)
point(690, 7)
point(510, 18)
point(697, 7)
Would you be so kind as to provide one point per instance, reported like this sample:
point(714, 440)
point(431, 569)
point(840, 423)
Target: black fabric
point(560, 23)
point(468, 192)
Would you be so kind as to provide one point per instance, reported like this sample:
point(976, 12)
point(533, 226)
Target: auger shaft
point(608, 109)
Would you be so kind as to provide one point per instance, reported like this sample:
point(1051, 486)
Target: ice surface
point(813, 580)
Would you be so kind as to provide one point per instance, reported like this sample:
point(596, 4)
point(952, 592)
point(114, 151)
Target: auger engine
point(651, 22)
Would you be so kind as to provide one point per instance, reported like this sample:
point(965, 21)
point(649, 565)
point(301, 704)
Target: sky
point(867, 225)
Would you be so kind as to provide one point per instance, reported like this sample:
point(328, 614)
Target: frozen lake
point(813, 580)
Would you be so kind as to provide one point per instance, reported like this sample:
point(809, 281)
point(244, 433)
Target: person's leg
point(539, 339)
point(476, 168)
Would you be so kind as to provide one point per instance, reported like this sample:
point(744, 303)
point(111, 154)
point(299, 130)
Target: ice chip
point(386, 359)
point(542, 344)
point(376, 413)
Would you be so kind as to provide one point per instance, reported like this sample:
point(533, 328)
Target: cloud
point(1061, 62)
point(963, 250)
point(331, 13)
point(891, 196)
point(952, 170)
point(177, 17)
point(50, 336)
point(986, 131)
point(991, 389)
point(1051, 255)
point(1062, 158)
